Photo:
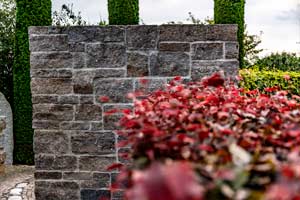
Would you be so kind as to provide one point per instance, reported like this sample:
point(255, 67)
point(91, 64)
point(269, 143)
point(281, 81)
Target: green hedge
point(29, 13)
point(232, 12)
point(256, 79)
point(123, 12)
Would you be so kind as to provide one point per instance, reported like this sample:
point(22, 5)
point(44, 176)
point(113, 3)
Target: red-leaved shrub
point(211, 140)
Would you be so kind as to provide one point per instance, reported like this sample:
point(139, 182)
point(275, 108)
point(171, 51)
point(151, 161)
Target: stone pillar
point(6, 140)
point(2, 152)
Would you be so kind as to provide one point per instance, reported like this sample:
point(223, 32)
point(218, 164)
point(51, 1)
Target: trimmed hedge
point(255, 79)
point(232, 12)
point(123, 12)
point(29, 13)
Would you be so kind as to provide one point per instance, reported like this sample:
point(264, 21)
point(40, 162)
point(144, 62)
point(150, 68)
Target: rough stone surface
point(73, 67)
point(6, 140)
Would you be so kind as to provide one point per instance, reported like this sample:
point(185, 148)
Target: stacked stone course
point(71, 67)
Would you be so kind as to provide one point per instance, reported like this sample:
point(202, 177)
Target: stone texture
point(7, 142)
point(72, 67)
point(207, 51)
point(142, 37)
point(106, 55)
point(93, 143)
point(166, 64)
point(137, 64)
point(56, 190)
point(51, 86)
point(51, 142)
point(115, 89)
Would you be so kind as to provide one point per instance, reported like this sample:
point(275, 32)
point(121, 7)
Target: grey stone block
point(96, 126)
point(55, 162)
point(93, 143)
point(231, 50)
point(95, 163)
point(47, 175)
point(52, 73)
point(74, 125)
point(137, 64)
point(38, 30)
point(106, 55)
point(88, 112)
point(182, 33)
point(174, 46)
point(37, 99)
point(166, 64)
point(83, 82)
point(51, 142)
point(50, 60)
point(77, 175)
point(148, 85)
point(99, 180)
point(48, 43)
point(142, 37)
point(111, 121)
point(78, 60)
point(68, 99)
point(57, 190)
point(222, 32)
point(51, 86)
point(207, 51)
point(115, 89)
point(86, 99)
point(53, 112)
point(89, 194)
point(110, 73)
point(45, 125)
point(76, 46)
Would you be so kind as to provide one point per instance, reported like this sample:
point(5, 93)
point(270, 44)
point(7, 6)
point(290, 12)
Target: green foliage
point(232, 12)
point(251, 50)
point(279, 61)
point(123, 12)
point(67, 17)
point(29, 13)
point(7, 40)
point(255, 79)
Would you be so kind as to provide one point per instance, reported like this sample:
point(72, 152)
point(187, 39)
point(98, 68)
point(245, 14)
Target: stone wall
point(72, 67)
point(6, 139)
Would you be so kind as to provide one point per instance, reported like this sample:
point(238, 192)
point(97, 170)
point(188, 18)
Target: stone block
point(199, 72)
point(99, 180)
point(105, 55)
point(137, 64)
point(51, 86)
point(165, 64)
point(55, 162)
point(182, 33)
point(45, 124)
point(61, 190)
point(51, 142)
point(96, 163)
point(53, 112)
point(142, 37)
point(77, 175)
point(222, 32)
point(115, 89)
point(86, 99)
point(89, 194)
point(93, 143)
point(83, 82)
point(148, 85)
point(48, 43)
point(38, 99)
point(207, 51)
point(88, 112)
point(52, 73)
point(74, 125)
point(50, 60)
point(231, 50)
point(76, 46)
point(47, 175)
point(174, 46)
point(96, 126)
point(38, 30)
point(110, 73)
point(78, 61)
point(111, 121)
point(68, 99)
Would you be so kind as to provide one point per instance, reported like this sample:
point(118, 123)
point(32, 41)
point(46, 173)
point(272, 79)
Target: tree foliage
point(67, 17)
point(29, 13)
point(123, 12)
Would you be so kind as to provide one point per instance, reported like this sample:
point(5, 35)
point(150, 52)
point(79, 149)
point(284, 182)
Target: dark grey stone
point(50, 60)
point(115, 89)
point(68, 99)
point(166, 64)
point(47, 175)
point(56, 190)
point(53, 112)
point(55, 162)
point(95, 163)
point(86, 99)
point(207, 51)
point(182, 33)
point(231, 50)
point(51, 86)
point(88, 194)
point(110, 55)
point(99, 180)
point(52, 73)
point(96, 126)
point(110, 73)
point(174, 46)
point(142, 37)
point(148, 85)
point(74, 125)
point(76, 46)
point(37, 99)
point(78, 61)
point(93, 143)
point(137, 64)
point(83, 82)
point(48, 43)
point(45, 124)
point(51, 142)
point(77, 175)
point(88, 112)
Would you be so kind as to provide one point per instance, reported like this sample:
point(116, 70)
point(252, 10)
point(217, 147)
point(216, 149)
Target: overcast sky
point(278, 20)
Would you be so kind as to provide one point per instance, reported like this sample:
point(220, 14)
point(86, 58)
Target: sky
point(277, 21)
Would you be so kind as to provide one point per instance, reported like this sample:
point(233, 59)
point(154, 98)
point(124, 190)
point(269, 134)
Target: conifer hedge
point(123, 12)
point(232, 12)
point(29, 13)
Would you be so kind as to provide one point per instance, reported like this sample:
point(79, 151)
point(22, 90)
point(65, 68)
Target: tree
point(232, 12)
point(7, 40)
point(29, 13)
point(67, 17)
point(123, 12)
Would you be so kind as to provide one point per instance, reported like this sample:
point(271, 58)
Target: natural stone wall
point(72, 67)
point(6, 139)
point(2, 152)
